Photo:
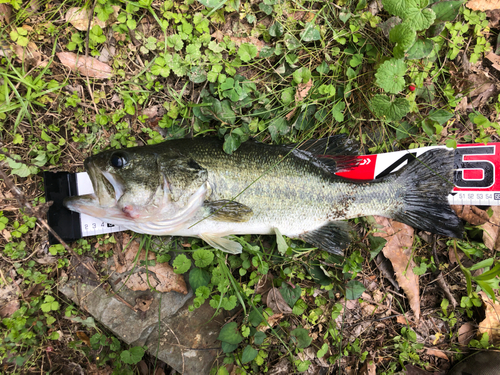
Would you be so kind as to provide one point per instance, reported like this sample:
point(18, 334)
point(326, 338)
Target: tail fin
point(428, 181)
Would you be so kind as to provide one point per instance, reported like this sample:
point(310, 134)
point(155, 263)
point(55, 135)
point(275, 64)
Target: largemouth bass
point(191, 187)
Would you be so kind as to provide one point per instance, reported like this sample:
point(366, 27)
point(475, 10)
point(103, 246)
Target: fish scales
point(191, 187)
point(285, 191)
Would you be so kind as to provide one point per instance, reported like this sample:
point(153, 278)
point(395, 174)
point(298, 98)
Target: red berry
point(412, 88)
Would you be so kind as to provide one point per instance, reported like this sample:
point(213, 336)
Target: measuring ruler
point(476, 180)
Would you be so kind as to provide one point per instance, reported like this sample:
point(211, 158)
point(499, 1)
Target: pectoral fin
point(333, 237)
point(226, 210)
point(221, 243)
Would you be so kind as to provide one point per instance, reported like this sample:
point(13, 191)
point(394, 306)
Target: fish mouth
point(108, 189)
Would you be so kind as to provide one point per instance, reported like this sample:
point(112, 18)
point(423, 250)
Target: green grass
point(279, 72)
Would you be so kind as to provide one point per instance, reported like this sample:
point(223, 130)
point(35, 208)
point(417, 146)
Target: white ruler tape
point(90, 225)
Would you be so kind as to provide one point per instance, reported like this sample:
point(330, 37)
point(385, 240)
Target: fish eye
point(118, 160)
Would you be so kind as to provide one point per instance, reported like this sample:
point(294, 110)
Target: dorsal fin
point(336, 145)
point(336, 153)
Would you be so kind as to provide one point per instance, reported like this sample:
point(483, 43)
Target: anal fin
point(333, 237)
point(221, 243)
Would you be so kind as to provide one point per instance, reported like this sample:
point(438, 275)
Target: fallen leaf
point(5, 13)
point(277, 303)
point(79, 18)
point(385, 267)
point(6, 234)
point(281, 368)
point(160, 276)
point(295, 15)
point(491, 322)
point(271, 322)
point(9, 308)
point(401, 319)
point(219, 36)
point(479, 83)
point(471, 214)
point(494, 16)
point(83, 336)
point(399, 238)
point(437, 353)
point(143, 368)
point(29, 55)
point(483, 5)
point(7, 293)
point(369, 368)
point(491, 228)
point(87, 66)
point(466, 333)
point(303, 90)
point(495, 59)
point(143, 303)
point(47, 259)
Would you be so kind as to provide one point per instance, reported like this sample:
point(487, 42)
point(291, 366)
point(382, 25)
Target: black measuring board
point(66, 223)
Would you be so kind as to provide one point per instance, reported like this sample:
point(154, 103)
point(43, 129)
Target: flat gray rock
point(187, 341)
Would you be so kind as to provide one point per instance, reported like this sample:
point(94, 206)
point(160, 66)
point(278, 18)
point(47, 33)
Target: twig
point(180, 347)
point(439, 278)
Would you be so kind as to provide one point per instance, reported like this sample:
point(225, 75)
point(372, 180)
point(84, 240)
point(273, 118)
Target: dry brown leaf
point(399, 238)
point(494, 18)
point(437, 353)
point(483, 5)
point(491, 322)
point(369, 368)
point(143, 368)
point(219, 36)
point(161, 276)
point(6, 234)
point(303, 90)
point(277, 303)
point(87, 66)
point(5, 13)
point(480, 82)
point(471, 214)
point(250, 39)
point(401, 319)
point(271, 322)
point(79, 18)
point(385, 266)
point(143, 303)
point(9, 308)
point(47, 259)
point(29, 55)
point(300, 94)
point(465, 333)
point(491, 228)
point(495, 59)
point(83, 336)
